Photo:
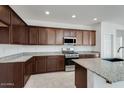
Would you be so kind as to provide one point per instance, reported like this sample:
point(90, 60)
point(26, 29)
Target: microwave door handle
point(73, 41)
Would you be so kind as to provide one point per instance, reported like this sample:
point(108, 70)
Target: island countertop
point(111, 71)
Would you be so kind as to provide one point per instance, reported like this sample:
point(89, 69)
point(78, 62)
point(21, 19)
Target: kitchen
point(32, 47)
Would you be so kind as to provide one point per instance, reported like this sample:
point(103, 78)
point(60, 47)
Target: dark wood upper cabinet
point(51, 36)
point(89, 38)
point(33, 35)
point(69, 33)
point(19, 35)
point(92, 38)
point(79, 38)
point(5, 14)
point(73, 33)
point(86, 37)
point(19, 32)
point(42, 36)
point(4, 35)
point(59, 37)
point(66, 33)
point(15, 20)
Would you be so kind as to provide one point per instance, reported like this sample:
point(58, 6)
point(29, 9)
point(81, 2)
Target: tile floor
point(52, 80)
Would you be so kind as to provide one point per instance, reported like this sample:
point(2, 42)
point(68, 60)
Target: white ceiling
point(63, 13)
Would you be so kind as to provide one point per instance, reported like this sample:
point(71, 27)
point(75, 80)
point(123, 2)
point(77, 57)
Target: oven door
point(69, 64)
point(68, 61)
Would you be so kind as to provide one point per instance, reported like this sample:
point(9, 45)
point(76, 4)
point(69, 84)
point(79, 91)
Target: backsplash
point(7, 49)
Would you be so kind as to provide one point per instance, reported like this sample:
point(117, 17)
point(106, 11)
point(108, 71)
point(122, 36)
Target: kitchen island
point(95, 72)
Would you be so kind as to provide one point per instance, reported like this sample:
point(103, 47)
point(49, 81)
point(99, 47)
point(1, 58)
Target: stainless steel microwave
point(69, 40)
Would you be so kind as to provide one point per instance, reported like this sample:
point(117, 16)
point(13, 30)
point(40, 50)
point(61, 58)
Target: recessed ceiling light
point(95, 19)
point(74, 16)
point(47, 12)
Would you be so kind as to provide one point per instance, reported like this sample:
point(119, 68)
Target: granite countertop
point(42, 53)
point(23, 57)
point(88, 52)
point(111, 71)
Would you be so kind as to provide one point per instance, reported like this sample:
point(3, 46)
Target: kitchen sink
point(113, 59)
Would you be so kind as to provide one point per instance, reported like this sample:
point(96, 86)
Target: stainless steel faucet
point(119, 49)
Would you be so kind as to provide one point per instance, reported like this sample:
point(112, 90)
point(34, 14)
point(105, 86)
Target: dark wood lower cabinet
point(55, 63)
point(80, 76)
point(11, 75)
point(81, 73)
point(41, 64)
point(17, 74)
point(60, 64)
point(51, 64)
point(33, 62)
point(28, 70)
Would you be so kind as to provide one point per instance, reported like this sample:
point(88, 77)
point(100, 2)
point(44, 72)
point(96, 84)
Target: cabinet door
point(51, 36)
point(51, 64)
point(73, 33)
point(79, 38)
point(40, 64)
point(86, 37)
point(28, 70)
point(33, 35)
point(80, 76)
point(4, 35)
point(15, 20)
point(92, 38)
point(5, 14)
point(66, 33)
point(18, 74)
point(19, 31)
point(69, 33)
point(6, 75)
point(59, 37)
point(33, 62)
point(60, 63)
point(19, 35)
point(42, 36)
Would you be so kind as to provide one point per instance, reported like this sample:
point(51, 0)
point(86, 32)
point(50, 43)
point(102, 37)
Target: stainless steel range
point(69, 55)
